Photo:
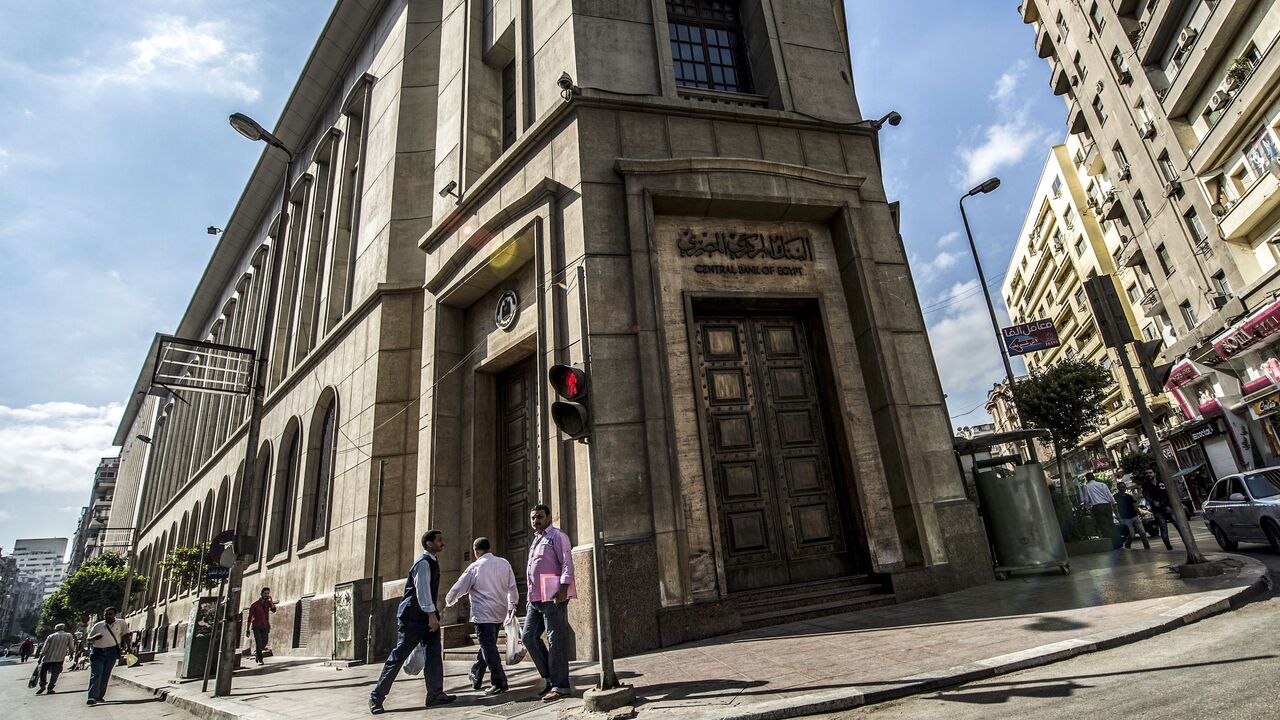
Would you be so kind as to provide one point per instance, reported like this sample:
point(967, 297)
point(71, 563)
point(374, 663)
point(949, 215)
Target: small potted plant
point(1239, 71)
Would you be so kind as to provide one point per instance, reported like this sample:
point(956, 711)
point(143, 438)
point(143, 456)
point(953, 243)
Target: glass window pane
point(1261, 486)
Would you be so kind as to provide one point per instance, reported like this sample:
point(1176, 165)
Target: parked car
point(1245, 508)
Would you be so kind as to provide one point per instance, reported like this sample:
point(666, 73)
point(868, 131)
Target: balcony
point(1030, 12)
point(1162, 28)
point(1201, 65)
point(1252, 209)
point(1241, 116)
point(1152, 303)
point(1124, 7)
point(1076, 122)
point(1060, 82)
point(1112, 208)
point(1044, 43)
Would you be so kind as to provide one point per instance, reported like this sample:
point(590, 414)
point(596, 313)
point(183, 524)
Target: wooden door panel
point(515, 463)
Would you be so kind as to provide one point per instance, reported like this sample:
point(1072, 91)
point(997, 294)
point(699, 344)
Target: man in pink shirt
point(550, 583)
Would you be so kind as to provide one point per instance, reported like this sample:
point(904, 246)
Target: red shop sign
point(1262, 325)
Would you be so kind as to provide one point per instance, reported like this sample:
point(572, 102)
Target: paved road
point(17, 702)
point(1222, 667)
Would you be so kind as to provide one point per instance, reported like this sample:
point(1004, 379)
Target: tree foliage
point(97, 584)
point(1137, 464)
point(186, 566)
point(1065, 398)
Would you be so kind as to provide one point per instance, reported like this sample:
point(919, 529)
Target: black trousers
point(49, 673)
point(488, 657)
point(260, 638)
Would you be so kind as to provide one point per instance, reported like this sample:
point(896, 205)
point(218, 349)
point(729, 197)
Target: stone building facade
point(685, 187)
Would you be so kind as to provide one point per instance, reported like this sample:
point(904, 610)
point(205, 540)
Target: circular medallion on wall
point(505, 312)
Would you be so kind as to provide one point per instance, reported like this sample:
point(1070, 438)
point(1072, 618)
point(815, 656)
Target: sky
point(115, 155)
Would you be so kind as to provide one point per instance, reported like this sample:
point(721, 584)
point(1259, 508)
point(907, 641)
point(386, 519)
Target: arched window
point(220, 512)
point(258, 496)
point(321, 460)
point(286, 489)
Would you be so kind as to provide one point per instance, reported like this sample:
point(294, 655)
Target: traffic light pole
point(604, 627)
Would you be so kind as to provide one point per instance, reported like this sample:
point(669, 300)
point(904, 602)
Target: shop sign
point(1204, 432)
point(744, 250)
point(1181, 374)
point(1030, 337)
point(1265, 406)
point(1260, 326)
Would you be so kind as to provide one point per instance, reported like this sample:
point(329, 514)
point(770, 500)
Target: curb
point(1210, 604)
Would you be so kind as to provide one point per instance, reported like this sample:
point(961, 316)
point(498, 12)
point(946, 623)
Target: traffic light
point(570, 413)
point(1154, 374)
point(1108, 312)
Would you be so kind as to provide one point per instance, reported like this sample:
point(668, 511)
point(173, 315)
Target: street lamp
point(985, 187)
point(249, 128)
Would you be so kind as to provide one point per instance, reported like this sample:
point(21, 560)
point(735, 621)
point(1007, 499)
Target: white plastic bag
point(416, 660)
point(515, 646)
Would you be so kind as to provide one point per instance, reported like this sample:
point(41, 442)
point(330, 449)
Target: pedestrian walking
point(105, 640)
point(1127, 509)
point(550, 584)
point(1157, 497)
point(491, 585)
point(25, 649)
point(260, 622)
point(1098, 501)
point(418, 623)
point(53, 653)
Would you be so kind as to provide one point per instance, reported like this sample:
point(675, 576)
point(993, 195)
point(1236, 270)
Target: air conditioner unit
point(1148, 130)
point(1187, 37)
point(1219, 100)
point(1173, 188)
point(1093, 204)
point(1098, 87)
point(1124, 173)
point(1125, 77)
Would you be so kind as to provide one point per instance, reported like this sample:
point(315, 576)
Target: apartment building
point(480, 191)
point(90, 535)
point(1066, 238)
point(1174, 102)
point(42, 558)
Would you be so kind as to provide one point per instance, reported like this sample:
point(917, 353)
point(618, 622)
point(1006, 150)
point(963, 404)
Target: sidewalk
point(820, 665)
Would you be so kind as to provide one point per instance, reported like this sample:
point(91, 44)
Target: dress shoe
point(440, 699)
point(375, 707)
point(495, 690)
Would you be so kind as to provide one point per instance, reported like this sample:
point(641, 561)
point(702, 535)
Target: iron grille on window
point(706, 45)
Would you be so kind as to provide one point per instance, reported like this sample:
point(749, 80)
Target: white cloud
point(54, 446)
point(1001, 144)
point(177, 54)
point(965, 347)
point(4, 515)
point(927, 271)
point(949, 238)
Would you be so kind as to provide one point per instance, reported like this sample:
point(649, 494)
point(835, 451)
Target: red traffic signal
point(570, 414)
point(569, 383)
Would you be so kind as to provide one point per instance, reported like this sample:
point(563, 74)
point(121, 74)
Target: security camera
point(448, 190)
point(565, 82)
point(213, 230)
point(893, 118)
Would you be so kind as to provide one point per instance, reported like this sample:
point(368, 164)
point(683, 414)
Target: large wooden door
point(777, 503)
point(517, 460)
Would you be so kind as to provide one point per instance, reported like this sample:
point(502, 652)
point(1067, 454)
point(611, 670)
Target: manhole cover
point(515, 708)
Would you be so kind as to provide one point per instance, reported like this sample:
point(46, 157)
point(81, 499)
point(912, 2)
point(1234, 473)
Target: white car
point(1245, 508)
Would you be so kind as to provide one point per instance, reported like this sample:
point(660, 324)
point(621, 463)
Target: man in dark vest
point(418, 623)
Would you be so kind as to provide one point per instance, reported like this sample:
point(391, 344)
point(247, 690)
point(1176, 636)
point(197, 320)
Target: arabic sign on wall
point(1030, 337)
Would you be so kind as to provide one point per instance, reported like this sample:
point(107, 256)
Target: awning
point(981, 443)
point(1187, 471)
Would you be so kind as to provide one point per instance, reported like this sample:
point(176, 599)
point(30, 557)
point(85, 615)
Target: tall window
point(1195, 226)
point(1166, 264)
point(1057, 186)
point(1099, 110)
point(509, 105)
point(1188, 314)
point(320, 473)
point(1167, 168)
point(282, 500)
point(1121, 158)
point(1062, 26)
point(1140, 202)
point(706, 45)
point(1220, 283)
point(347, 227)
point(1118, 62)
point(1095, 14)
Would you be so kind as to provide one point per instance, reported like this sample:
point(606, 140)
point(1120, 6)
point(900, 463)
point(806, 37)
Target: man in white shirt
point(491, 584)
point(1098, 500)
point(108, 639)
point(55, 650)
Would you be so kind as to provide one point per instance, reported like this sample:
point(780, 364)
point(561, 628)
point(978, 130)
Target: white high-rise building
point(43, 558)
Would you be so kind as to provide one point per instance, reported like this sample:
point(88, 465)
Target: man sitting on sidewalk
point(1128, 510)
point(491, 584)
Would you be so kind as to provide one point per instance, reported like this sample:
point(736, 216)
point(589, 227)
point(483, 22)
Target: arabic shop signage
point(1204, 432)
point(742, 252)
point(1265, 406)
point(1258, 327)
point(1030, 337)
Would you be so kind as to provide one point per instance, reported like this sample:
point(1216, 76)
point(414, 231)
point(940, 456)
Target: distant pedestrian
point(1157, 497)
point(25, 649)
point(1127, 509)
point(55, 650)
point(105, 639)
point(418, 623)
point(1098, 501)
point(260, 622)
point(550, 580)
point(491, 585)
